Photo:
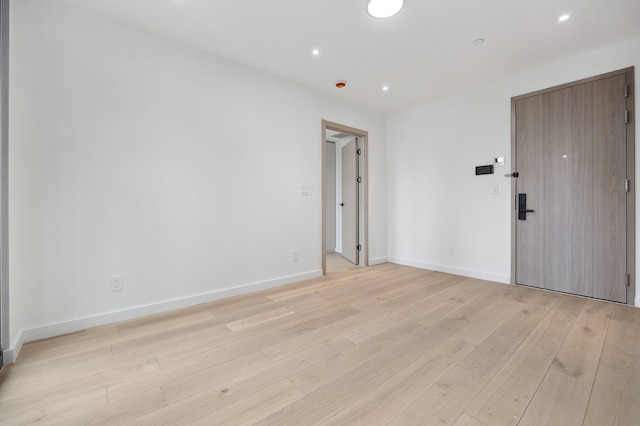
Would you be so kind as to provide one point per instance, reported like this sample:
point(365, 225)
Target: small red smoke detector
point(340, 84)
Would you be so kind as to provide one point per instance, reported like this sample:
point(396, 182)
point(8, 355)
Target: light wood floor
point(337, 263)
point(376, 346)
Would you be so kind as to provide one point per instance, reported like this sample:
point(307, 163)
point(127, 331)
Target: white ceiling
point(423, 53)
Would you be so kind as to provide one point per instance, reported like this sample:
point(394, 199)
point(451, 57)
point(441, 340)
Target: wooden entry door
point(570, 148)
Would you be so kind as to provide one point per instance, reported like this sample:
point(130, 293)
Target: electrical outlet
point(117, 283)
point(296, 256)
point(452, 251)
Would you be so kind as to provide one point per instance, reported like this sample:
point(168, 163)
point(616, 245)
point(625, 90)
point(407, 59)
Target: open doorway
point(344, 202)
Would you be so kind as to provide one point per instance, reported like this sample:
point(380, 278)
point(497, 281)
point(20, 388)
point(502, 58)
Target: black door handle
point(342, 204)
point(522, 207)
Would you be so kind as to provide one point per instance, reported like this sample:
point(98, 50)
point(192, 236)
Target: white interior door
point(350, 202)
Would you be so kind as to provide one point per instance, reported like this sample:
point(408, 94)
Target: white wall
point(436, 201)
point(135, 155)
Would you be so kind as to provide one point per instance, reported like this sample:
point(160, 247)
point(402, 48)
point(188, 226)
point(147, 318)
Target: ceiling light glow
point(385, 88)
point(384, 8)
point(315, 52)
point(564, 17)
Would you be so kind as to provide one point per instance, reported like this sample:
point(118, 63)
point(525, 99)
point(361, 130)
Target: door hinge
point(626, 117)
point(626, 91)
point(626, 185)
point(627, 280)
point(359, 151)
point(359, 247)
point(359, 179)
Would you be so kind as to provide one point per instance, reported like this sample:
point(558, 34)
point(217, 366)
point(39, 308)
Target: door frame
point(363, 192)
point(631, 174)
point(4, 180)
point(330, 196)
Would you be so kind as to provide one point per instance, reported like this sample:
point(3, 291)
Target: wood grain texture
point(555, 191)
point(374, 346)
point(506, 396)
point(563, 395)
point(599, 204)
point(529, 164)
point(613, 401)
point(571, 151)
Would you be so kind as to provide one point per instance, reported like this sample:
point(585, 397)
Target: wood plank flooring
point(385, 345)
point(337, 263)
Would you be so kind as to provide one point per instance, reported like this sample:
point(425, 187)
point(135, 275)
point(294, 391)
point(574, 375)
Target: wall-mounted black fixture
point(484, 170)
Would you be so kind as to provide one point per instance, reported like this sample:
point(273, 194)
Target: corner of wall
point(378, 261)
point(480, 275)
point(11, 353)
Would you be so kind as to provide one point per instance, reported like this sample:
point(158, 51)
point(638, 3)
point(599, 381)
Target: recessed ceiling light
point(384, 8)
point(315, 52)
point(385, 88)
point(478, 41)
point(564, 17)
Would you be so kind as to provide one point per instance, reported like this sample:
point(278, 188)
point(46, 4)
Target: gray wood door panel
point(530, 249)
point(571, 159)
point(555, 216)
point(599, 180)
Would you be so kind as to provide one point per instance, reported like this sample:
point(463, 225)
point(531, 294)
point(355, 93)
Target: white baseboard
point(11, 354)
point(505, 279)
point(378, 261)
point(58, 329)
